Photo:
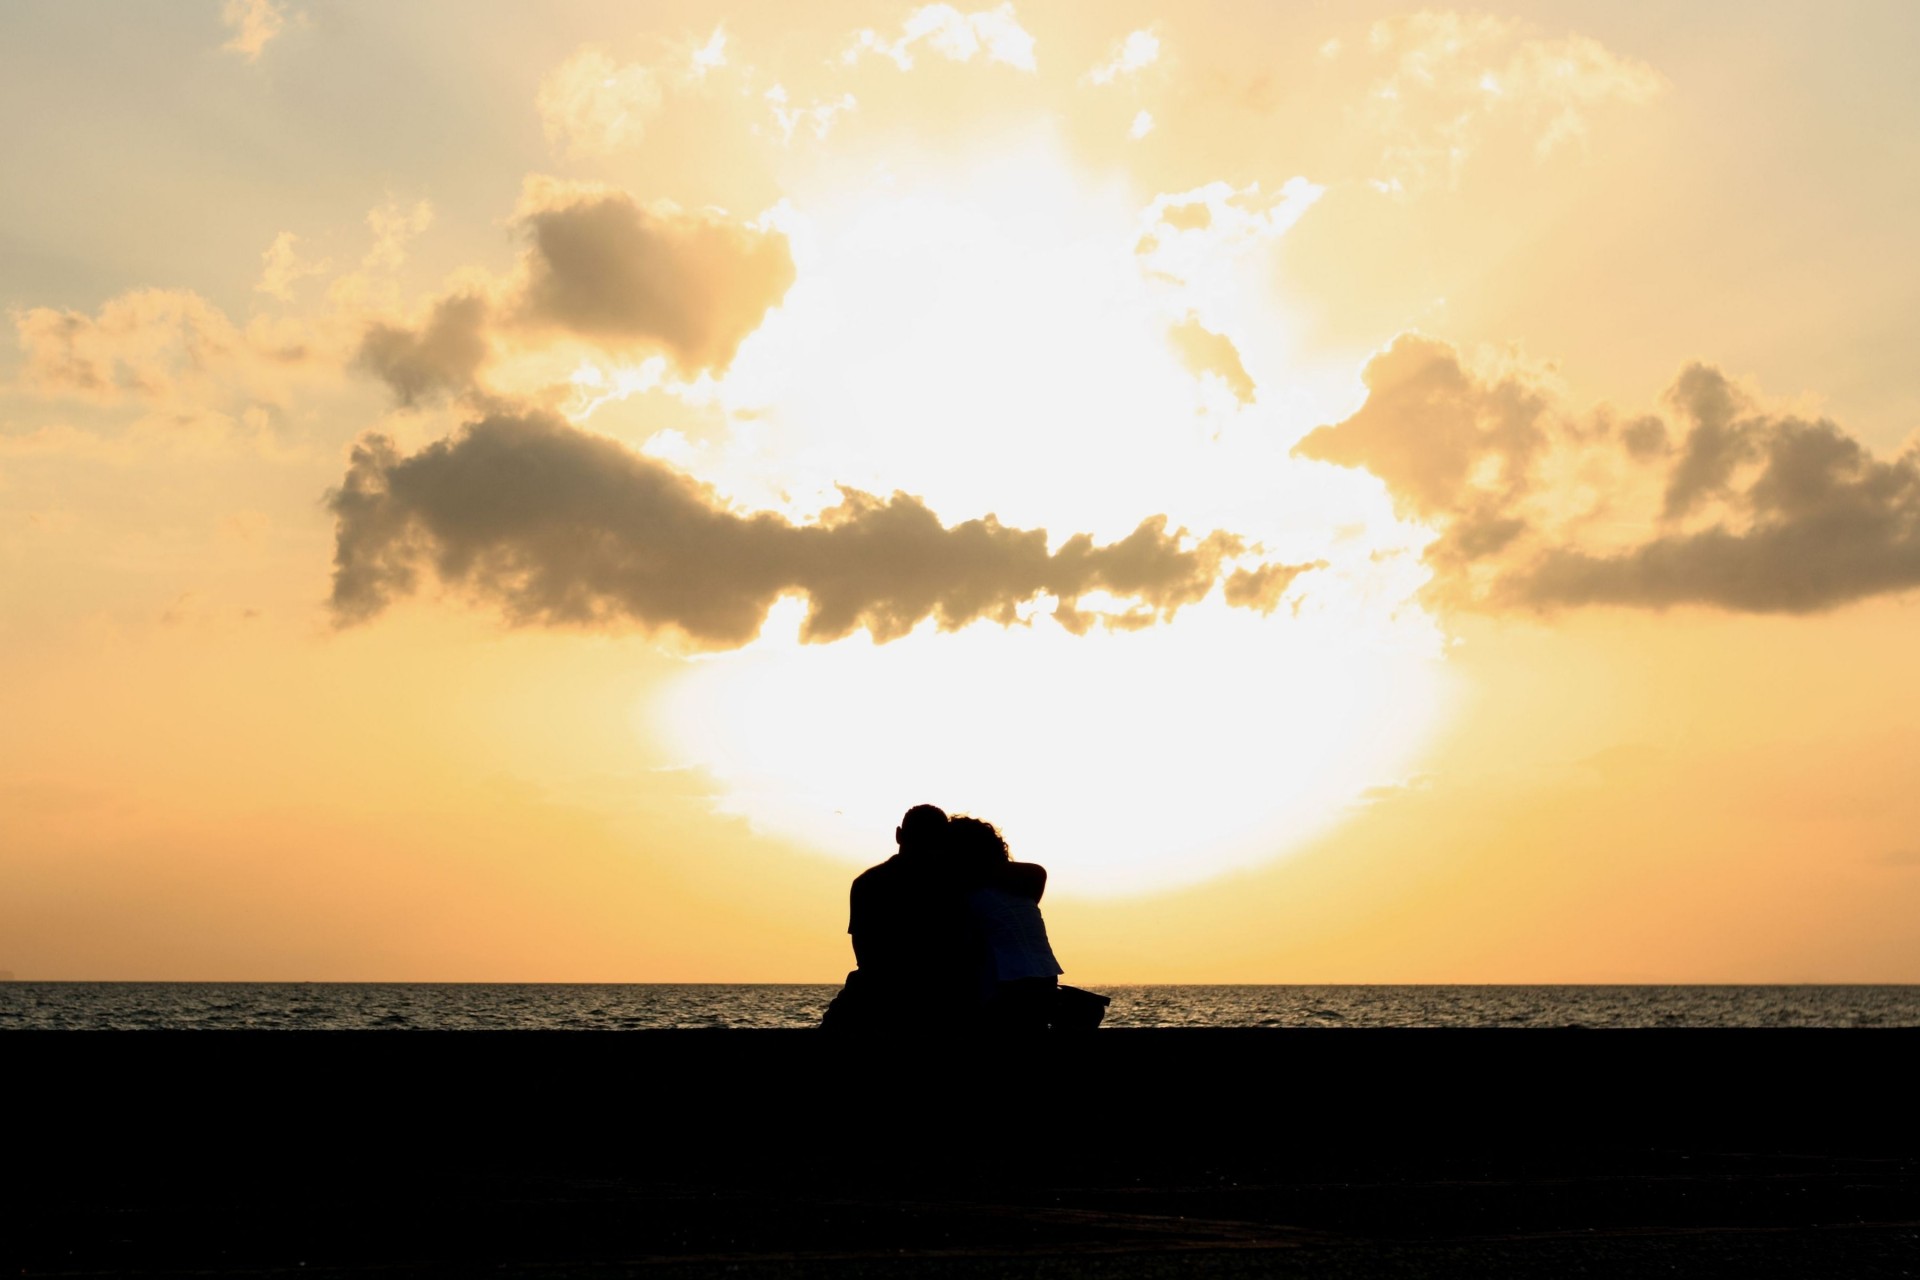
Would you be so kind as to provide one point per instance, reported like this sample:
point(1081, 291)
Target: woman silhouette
point(1018, 973)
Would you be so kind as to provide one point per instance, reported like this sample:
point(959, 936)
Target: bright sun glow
point(1123, 761)
point(992, 339)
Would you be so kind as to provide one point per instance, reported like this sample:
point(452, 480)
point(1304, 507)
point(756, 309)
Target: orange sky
point(1363, 495)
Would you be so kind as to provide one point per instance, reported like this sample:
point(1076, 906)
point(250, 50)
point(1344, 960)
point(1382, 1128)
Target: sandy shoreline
point(1362, 1152)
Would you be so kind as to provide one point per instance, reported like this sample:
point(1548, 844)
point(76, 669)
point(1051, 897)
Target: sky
point(1362, 494)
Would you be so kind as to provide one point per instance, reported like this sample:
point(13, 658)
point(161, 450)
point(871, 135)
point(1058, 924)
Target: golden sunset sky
point(502, 492)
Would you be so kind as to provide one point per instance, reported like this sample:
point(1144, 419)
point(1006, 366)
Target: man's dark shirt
point(917, 954)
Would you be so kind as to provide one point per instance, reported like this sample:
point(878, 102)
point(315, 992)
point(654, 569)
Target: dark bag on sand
point(1077, 1010)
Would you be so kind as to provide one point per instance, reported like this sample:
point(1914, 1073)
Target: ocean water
point(637, 1006)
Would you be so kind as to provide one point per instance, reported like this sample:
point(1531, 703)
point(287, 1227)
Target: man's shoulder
point(877, 895)
point(880, 877)
point(880, 870)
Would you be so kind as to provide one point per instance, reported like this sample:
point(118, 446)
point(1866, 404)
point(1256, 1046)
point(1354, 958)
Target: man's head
point(921, 830)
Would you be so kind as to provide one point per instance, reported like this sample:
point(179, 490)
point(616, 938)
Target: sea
point(657, 1006)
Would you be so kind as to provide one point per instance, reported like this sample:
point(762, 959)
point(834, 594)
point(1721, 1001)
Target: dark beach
point(1124, 1153)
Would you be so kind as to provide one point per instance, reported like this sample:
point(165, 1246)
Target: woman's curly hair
point(977, 845)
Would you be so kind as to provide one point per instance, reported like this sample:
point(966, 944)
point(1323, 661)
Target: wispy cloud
point(1188, 235)
point(590, 106)
point(993, 34)
point(1139, 50)
point(711, 56)
point(282, 267)
point(251, 25)
point(1452, 79)
point(156, 347)
point(815, 118)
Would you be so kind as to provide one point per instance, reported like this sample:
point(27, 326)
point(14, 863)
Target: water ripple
point(454, 1006)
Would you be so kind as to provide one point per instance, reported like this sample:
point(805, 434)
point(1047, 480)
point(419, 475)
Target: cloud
point(710, 56)
point(1142, 125)
point(603, 267)
point(1821, 523)
point(1187, 235)
point(1205, 352)
point(252, 24)
point(591, 107)
point(1444, 442)
point(1540, 508)
point(817, 117)
point(556, 526)
point(956, 36)
point(139, 344)
point(1139, 50)
point(153, 345)
point(282, 267)
point(1716, 445)
point(1263, 586)
point(1195, 216)
point(394, 224)
point(374, 286)
point(1452, 79)
point(443, 356)
point(600, 268)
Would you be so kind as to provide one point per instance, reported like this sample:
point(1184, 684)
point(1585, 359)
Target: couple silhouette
point(948, 936)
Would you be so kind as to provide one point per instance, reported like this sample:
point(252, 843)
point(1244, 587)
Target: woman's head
point(977, 845)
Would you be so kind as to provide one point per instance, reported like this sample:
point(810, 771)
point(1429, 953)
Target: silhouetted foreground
point(1124, 1153)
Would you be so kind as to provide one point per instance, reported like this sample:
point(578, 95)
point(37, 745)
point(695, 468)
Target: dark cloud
point(442, 357)
point(602, 268)
point(1825, 524)
point(1645, 438)
point(693, 285)
point(1718, 442)
point(1475, 534)
point(1204, 351)
point(557, 526)
point(1443, 441)
point(1755, 512)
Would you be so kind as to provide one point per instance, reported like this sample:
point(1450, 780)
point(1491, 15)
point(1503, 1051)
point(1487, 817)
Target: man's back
point(912, 940)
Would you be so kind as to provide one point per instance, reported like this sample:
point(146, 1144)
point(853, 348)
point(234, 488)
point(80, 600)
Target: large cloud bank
point(1719, 502)
point(558, 526)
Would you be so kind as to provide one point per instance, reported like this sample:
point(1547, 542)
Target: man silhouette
point(911, 940)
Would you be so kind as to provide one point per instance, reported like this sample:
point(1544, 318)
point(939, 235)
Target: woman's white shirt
point(1015, 933)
